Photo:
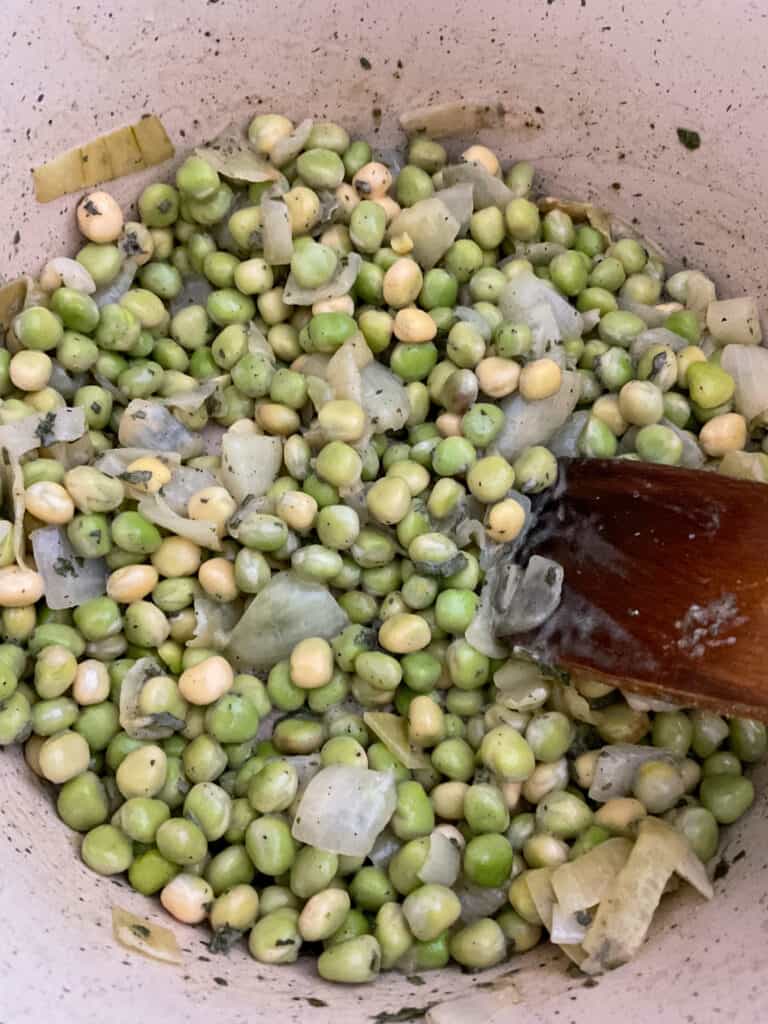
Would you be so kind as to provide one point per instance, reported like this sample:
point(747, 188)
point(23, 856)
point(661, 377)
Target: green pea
point(82, 802)
point(520, 934)
point(274, 787)
point(150, 872)
point(658, 786)
point(563, 815)
point(180, 841)
point(77, 311)
point(159, 206)
point(453, 456)
point(749, 739)
point(413, 362)
point(659, 444)
point(414, 815)
point(229, 868)
point(439, 289)
point(685, 323)
point(413, 184)
point(721, 762)
point(393, 934)
point(569, 273)
point(106, 850)
point(135, 534)
point(485, 809)
point(367, 226)
point(726, 797)
point(96, 404)
point(355, 961)
point(103, 262)
point(229, 306)
point(508, 755)
point(488, 860)
point(709, 386)
point(480, 944)
point(455, 759)
point(588, 840)
point(597, 298)
point(369, 285)
point(672, 730)
point(699, 827)
point(613, 367)
point(487, 228)
point(98, 724)
point(314, 264)
point(141, 817)
point(275, 939)
point(270, 845)
point(38, 328)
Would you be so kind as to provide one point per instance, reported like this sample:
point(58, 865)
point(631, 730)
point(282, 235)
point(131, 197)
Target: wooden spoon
point(666, 582)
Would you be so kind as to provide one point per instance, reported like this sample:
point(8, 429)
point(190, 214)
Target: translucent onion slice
point(147, 424)
point(287, 610)
point(431, 227)
point(386, 846)
point(617, 765)
point(231, 155)
point(580, 884)
point(39, 430)
point(141, 936)
point(520, 301)
point(249, 463)
point(481, 630)
point(68, 272)
point(532, 423)
point(627, 908)
point(277, 237)
point(567, 929)
point(748, 365)
point(479, 901)
point(340, 284)
point(392, 730)
point(535, 598)
point(140, 726)
point(487, 189)
point(735, 321)
point(202, 531)
point(214, 622)
point(344, 809)
point(289, 147)
point(194, 398)
point(457, 117)
point(385, 399)
point(69, 579)
point(443, 862)
point(116, 289)
point(186, 481)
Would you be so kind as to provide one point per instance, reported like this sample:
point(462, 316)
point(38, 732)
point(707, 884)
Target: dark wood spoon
point(666, 582)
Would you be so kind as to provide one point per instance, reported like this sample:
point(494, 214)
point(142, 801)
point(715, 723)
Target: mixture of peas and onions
point(262, 449)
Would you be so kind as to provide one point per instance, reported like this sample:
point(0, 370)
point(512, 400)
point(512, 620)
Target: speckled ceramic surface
point(593, 92)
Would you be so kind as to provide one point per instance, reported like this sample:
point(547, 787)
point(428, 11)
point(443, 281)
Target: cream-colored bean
point(402, 244)
point(297, 509)
point(511, 791)
point(45, 400)
point(63, 756)
point(142, 772)
point(323, 914)
point(91, 685)
point(266, 130)
point(416, 476)
point(49, 502)
point(374, 179)
point(449, 424)
point(690, 772)
point(402, 282)
point(621, 815)
point(540, 379)
point(132, 583)
point(483, 156)
point(99, 217)
point(448, 800)
point(347, 198)
point(390, 207)
point(148, 474)
point(19, 587)
point(277, 419)
point(187, 898)
point(205, 682)
point(414, 325)
point(303, 208)
point(426, 721)
point(546, 778)
point(311, 663)
point(505, 520)
point(498, 377)
point(94, 491)
point(686, 357)
point(723, 434)
point(177, 556)
point(404, 633)
point(341, 304)
point(217, 578)
point(30, 370)
point(341, 419)
point(584, 768)
point(137, 242)
point(32, 749)
point(214, 504)
point(236, 908)
point(606, 409)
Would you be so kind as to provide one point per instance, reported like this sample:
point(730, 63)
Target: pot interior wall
point(593, 93)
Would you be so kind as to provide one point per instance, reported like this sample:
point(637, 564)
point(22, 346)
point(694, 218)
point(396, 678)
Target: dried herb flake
point(689, 138)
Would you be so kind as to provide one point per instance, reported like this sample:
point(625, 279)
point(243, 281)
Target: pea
point(414, 815)
point(726, 797)
point(413, 362)
point(488, 860)
point(355, 961)
point(749, 739)
point(485, 809)
point(455, 759)
point(480, 944)
point(141, 817)
point(82, 802)
point(106, 850)
point(150, 872)
point(699, 827)
point(275, 939)
point(270, 845)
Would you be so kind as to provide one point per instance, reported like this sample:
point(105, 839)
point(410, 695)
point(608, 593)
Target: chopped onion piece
point(654, 316)
point(477, 320)
point(627, 908)
point(431, 227)
point(480, 632)
point(617, 766)
point(249, 463)
point(73, 453)
point(487, 189)
point(457, 117)
point(115, 461)
point(343, 374)
point(745, 466)
point(277, 237)
point(443, 861)
point(39, 430)
point(567, 929)
point(192, 400)
point(195, 292)
point(110, 293)
point(140, 726)
point(340, 284)
point(564, 443)
point(13, 480)
point(539, 882)
point(640, 703)
point(531, 423)
point(289, 146)
point(735, 321)
point(385, 399)
point(522, 684)
point(69, 579)
point(287, 610)
point(202, 531)
point(578, 211)
point(185, 481)
point(580, 884)
point(655, 336)
point(147, 424)
point(69, 273)
point(141, 936)
point(344, 809)
point(392, 730)
point(535, 598)
point(748, 365)
point(386, 846)
point(230, 155)
point(478, 901)
point(692, 456)
point(214, 622)
point(520, 302)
